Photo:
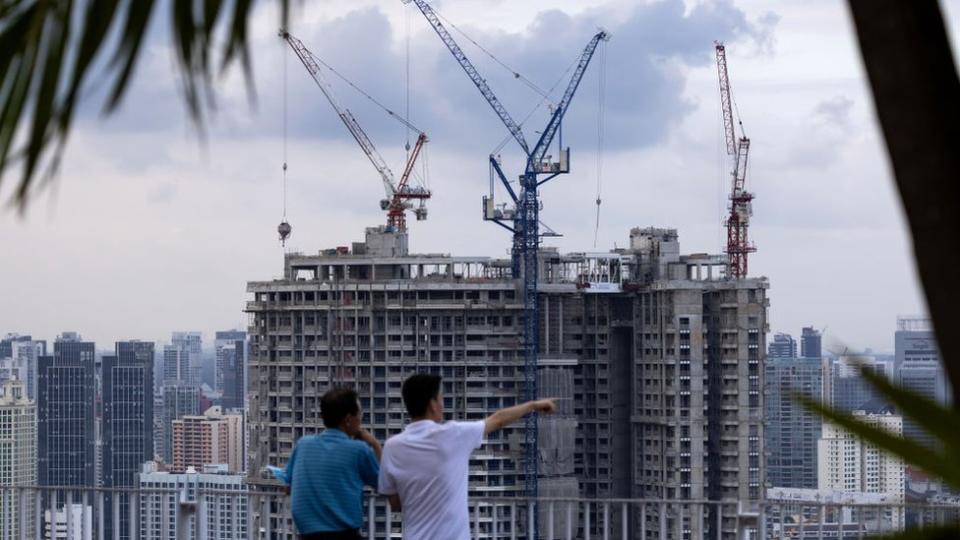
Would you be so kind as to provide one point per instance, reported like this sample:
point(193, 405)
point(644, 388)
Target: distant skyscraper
point(127, 383)
point(181, 356)
point(192, 341)
point(918, 367)
point(792, 429)
point(212, 438)
point(228, 339)
point(66, 395)
point(6, 344)
point(18, 457)
point(782, 346)
point(18, 360)
point(231, 368)
point(176, 364)
point(179, 400)
point(851, 392)
point(810, 343)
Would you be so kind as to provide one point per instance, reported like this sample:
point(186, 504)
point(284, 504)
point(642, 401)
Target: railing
point(206, 514)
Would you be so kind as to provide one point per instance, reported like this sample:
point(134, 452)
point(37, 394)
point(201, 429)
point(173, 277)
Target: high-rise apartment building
point(71, 522)
point(226, 513)
point(847, 463)
point(213, 438)
point(661, 355)
point(782, 346)
point(179, 400)
point(792, 430)
point(18, 458)
point(810, 343)
point(918, 368)
point(66, 395)
point(127, 424)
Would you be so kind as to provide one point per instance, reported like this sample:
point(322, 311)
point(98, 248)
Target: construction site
point(655, 356)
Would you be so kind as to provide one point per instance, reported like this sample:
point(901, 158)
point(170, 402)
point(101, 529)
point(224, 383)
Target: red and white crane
point(738, 221)
point(400, 196)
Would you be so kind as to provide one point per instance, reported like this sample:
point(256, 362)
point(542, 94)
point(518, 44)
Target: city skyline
point(827, 198)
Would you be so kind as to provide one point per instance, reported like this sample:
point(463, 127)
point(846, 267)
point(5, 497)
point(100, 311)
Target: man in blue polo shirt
point(327, 472)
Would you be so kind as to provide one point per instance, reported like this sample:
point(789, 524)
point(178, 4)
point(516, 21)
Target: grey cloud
point(835, 110)
point(162, 193)
point(644, 62)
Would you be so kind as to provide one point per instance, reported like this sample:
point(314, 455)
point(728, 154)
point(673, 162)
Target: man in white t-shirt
point(424, 469)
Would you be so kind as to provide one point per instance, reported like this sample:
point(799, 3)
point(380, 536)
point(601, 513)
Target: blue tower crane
point(525, 218)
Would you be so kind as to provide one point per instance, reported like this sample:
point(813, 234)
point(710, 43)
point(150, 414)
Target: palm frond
point(941, 422)
point(49, 49)
point(943, 466)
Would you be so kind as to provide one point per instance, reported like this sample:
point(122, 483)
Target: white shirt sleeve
point(468, 436)
point(386, 484)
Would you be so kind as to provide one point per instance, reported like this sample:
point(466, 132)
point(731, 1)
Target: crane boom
point(313, 67)
point(472, 72)
point(397, 194)
point(537, 155)
point(725, 104)
point(741, 200)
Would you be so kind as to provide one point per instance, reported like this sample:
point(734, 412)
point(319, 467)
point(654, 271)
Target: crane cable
point(601, 98)
point(386, 109)
point(722, 174)
point(536, 107)
point(516, 74)
point(407, 110)
point(284, 136)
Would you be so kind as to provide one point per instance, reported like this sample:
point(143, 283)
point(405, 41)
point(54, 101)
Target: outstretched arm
point(505, 417)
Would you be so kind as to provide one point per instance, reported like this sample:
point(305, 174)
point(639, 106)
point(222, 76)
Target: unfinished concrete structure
point(657, 359)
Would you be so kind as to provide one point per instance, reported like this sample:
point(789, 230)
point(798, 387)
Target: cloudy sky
point(148, 230)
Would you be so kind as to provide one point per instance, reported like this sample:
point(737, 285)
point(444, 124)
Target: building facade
point(71, 522)
point(229, 349)
point(782, 346)
point(851, 392)
point(181, 359)
point(165, 496)
point(792, 430)
point(918, 368)
point(811, 343)
point(66, 396)
point(18, 457)
point(213, 438)
point(127, 423)
point(18, 360)
point(179, 400)
point(658, 358)
point(847, 463)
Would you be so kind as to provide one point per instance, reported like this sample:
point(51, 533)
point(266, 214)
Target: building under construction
point(657, 359)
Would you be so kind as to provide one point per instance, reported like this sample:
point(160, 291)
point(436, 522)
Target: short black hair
point(337, 404)
point(418, 390)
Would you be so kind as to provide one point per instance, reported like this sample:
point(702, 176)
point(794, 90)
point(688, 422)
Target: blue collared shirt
point(327, 473)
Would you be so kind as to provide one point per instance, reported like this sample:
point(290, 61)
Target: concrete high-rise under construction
point(657, 358)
